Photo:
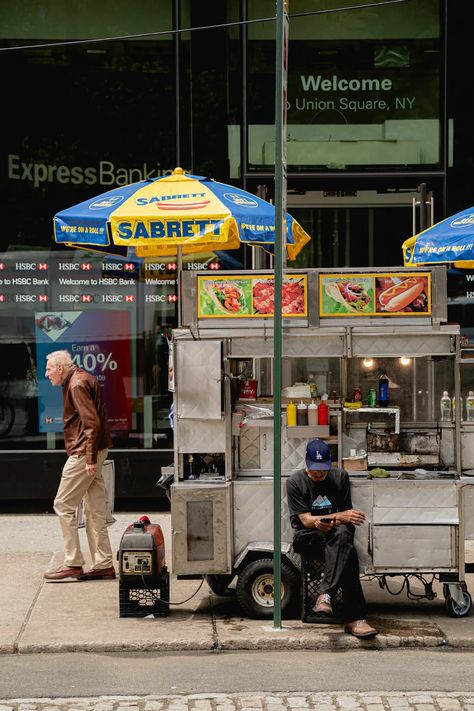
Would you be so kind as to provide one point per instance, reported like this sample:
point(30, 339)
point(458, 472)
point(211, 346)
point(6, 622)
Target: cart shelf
point(379, 410)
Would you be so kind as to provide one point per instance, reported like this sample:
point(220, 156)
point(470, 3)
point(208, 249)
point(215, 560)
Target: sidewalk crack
point(216, 645)
point(16, 649)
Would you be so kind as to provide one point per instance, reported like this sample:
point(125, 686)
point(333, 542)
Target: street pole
point(281, 66)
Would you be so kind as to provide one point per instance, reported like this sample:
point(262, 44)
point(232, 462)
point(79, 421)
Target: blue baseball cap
point(318, 455)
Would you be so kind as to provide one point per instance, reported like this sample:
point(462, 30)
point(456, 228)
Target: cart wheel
point(446, 591)
point(255, 588)
point(455, 610)
point(219, 583)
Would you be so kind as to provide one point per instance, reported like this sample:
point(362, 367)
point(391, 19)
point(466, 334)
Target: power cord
point(168, 602)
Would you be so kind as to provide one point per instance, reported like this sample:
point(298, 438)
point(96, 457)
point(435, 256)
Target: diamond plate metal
point(398, 345)
point(201, 436)
point(253, 513)
point(249, 448)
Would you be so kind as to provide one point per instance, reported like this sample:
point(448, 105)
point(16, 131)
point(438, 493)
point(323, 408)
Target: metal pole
point(282, 26)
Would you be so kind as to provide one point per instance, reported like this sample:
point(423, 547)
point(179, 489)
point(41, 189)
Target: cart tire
point(255, 588)
point(445, 591)
point(219, 583)
point(454, 610)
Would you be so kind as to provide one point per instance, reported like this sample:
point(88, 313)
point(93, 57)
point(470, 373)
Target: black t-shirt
point(317, 497)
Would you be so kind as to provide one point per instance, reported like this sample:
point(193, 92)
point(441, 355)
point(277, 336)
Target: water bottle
point(470, 406)
point(445, 407)
point(383, 390)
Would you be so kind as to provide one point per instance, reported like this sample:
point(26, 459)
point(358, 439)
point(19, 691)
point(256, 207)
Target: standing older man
point(319, 502)
point(86, 438)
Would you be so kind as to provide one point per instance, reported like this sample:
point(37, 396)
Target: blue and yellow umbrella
point(450, 241)
point(157, 216)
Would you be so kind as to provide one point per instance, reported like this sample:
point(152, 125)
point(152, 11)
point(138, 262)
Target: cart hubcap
point(262, 590)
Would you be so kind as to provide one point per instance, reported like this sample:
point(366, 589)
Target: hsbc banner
point(99, 342)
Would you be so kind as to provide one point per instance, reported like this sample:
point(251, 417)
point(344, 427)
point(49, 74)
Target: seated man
point(319, 499)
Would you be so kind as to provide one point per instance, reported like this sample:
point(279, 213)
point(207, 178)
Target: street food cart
point(341, 332)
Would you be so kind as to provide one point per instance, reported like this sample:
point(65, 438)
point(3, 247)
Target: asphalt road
point(79, 674)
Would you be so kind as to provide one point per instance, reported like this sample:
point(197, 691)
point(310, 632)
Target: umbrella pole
point(179, 277)
point(282, 24)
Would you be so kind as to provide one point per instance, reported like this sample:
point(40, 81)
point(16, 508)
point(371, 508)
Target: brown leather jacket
point(85, 419)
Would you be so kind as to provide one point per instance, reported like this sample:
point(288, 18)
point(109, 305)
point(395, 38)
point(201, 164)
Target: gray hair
point(60, 358)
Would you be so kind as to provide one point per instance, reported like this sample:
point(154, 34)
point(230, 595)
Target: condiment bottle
point(312, 413)
point(323, 413)
point(302, 414)
point(291, 414)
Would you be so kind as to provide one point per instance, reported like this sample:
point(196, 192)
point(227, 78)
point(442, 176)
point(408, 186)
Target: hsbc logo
point(43, 297)
point(86, 267)
point(129, 267)
point(129, 297)
point(42, 266)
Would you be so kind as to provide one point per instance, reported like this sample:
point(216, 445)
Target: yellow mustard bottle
point(291, 414)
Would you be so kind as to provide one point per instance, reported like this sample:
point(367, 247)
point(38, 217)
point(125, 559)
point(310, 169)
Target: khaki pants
point(76, 485)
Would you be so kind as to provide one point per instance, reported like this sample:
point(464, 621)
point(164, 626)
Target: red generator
point(144, 577)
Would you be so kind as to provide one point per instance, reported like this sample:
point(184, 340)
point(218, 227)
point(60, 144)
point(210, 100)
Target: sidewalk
point(36, 616)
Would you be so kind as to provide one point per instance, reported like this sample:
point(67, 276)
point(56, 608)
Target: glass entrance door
point(363, 228)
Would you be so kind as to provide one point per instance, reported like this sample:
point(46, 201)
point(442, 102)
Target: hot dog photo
point(402, 294)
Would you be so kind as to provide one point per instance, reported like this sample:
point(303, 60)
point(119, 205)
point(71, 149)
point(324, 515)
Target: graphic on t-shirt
point(321, 506)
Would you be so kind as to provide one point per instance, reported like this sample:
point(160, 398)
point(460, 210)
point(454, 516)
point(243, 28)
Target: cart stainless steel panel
point(201, 520)
point(413, 547)
point(198, 379)
point(393, 493)
point(201, 436)
point(301, 346)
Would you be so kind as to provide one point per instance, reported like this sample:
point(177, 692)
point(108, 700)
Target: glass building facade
point(375, 109)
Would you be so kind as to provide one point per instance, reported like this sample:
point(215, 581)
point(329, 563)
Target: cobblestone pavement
point(343, 701)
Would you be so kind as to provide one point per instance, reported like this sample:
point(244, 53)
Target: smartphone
point(326, 520)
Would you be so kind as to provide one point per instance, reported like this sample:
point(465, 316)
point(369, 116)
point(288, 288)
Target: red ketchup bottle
point(323, 413)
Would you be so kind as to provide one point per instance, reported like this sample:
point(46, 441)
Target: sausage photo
point(399, 296)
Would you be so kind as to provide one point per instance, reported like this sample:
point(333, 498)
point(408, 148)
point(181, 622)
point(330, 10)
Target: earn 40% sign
point(92, 361)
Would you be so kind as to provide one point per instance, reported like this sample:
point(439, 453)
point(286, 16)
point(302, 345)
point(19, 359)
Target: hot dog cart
point(341, 331)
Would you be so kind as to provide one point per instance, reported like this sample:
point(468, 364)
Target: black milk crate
point(140, 598)
point(312, 570)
